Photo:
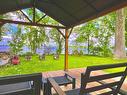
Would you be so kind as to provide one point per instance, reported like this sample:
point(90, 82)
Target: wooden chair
point(28, 57)
point(42, 57)
point(56, 56)
point(60, 80)
point(21, 84)
point(112, 86)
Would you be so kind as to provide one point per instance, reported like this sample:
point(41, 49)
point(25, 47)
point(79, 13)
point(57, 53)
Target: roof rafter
point(25, 16)
point(41, 18)
point(31, 24)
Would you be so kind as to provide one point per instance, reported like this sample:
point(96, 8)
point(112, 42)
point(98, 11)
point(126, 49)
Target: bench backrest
point(29, 84)
point(114, 86)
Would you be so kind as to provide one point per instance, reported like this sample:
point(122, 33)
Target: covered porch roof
point(67, 12)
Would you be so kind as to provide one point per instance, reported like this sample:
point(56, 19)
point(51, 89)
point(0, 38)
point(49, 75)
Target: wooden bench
point(21, 84)
point(111, 88)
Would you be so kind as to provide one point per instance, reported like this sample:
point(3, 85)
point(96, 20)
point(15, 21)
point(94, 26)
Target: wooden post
point(66, 50)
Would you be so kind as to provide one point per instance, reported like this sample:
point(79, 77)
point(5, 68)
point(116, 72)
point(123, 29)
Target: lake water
point(51, 47)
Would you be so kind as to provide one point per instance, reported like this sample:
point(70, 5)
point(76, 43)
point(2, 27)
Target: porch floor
point(77, 74)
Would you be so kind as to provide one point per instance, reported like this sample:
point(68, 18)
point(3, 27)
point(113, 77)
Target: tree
point(1, 31)
point(35, 37)
point(97, 34)
point(55, 35)
point(17, 41)
point(1, 27)
point(58, 38)
point(125, 27)
point(6, 27)
point(120, 35)
point(106, 28)
point(87, 31)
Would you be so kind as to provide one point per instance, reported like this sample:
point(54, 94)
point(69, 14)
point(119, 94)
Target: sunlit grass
point(35, 65)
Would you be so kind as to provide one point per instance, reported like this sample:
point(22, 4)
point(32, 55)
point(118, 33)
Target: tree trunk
point(120, 35)
point(1, 24)
point(34, 51)
point(88, 47)
point(59, 47)
point(0, 33)
point(33, 48)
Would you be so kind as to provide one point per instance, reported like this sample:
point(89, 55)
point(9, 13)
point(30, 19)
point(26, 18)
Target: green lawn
point(50, 64)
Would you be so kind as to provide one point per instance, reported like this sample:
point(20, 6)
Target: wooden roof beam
point(31, 24)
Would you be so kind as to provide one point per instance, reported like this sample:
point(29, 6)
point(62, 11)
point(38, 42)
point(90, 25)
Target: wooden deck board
point(77, 74)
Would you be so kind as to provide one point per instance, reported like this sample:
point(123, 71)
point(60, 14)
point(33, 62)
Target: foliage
point(38, 15)
point(98, 34)
point(105, 33)
point(87, 31)
point(81, 52)
point(17, 41)
point(58, 38)
point(1, 27)
point(35, 37)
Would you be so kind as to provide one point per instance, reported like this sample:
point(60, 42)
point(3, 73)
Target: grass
point(35, 65)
